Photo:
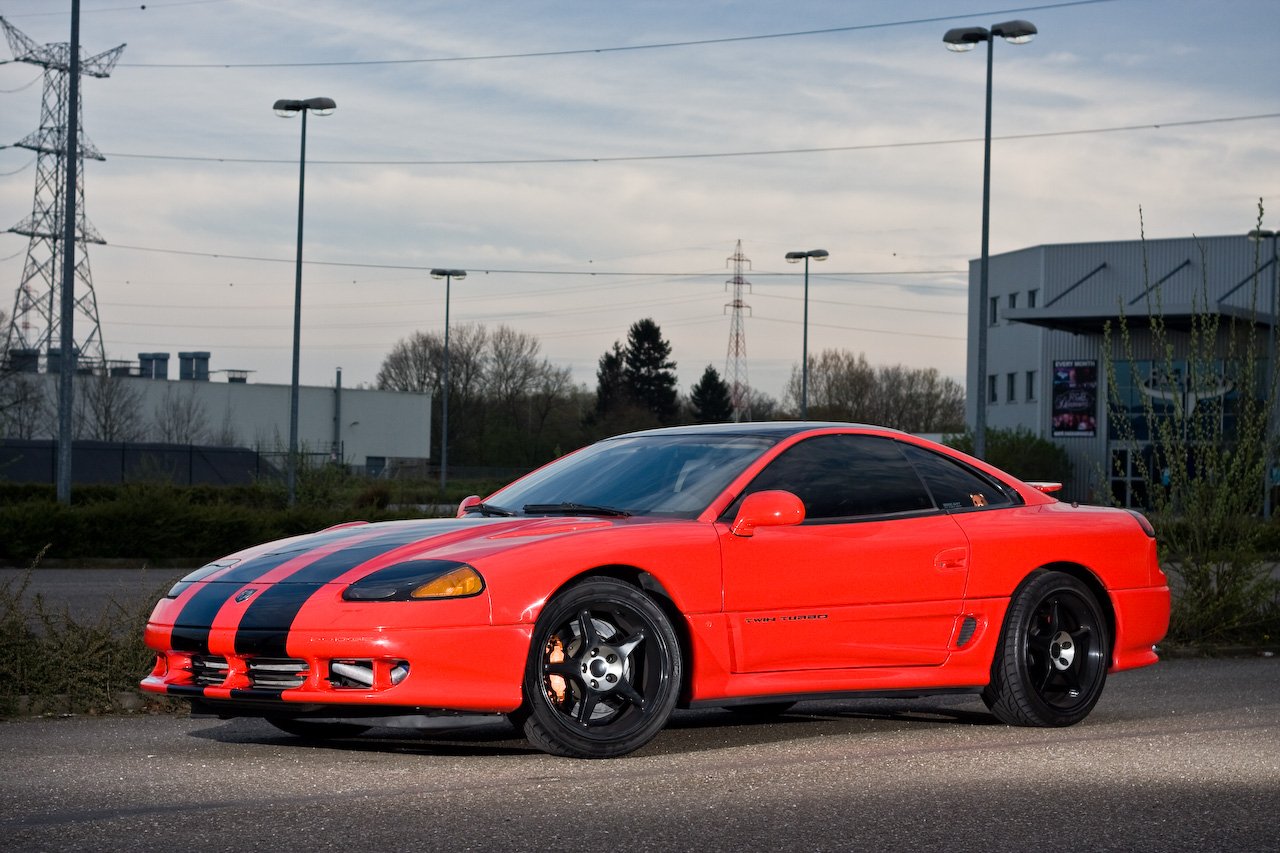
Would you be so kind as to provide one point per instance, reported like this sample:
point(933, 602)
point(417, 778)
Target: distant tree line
point(846, 387)
point(510, 407)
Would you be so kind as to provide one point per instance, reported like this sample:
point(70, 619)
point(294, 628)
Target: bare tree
point(180, 417)
point(413, 365)
point(226, 435)
point(846, 387)
point(108, 408)
point(513, 366)
point(25, 410)
point(416, 364)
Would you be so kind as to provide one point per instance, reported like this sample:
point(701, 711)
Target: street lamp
point(287, 109)
point(962, 39)
point(448, 276)
point(794, 258)
point(1257, 236)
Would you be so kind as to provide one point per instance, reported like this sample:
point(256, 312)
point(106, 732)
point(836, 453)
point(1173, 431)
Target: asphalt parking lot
point(1181, 756)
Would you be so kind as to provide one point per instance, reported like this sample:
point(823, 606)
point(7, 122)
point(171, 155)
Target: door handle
point(952, 560)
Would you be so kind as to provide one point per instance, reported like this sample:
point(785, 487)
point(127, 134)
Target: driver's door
point(875, 576)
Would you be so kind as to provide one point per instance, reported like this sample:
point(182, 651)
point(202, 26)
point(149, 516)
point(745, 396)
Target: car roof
point(779, 429)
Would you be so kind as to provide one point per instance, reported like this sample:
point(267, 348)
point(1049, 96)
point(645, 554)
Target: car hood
point(347, 552)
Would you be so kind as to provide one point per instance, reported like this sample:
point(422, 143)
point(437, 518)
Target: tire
point(311, 730)
point(1054, 651)
point(603, 674)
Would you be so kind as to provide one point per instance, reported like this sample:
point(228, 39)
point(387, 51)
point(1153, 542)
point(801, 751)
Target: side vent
point(967, 626)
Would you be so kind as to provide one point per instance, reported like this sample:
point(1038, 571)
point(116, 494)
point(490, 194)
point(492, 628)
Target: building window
point(1013, 301)
point(1011, 387)
point(1031, 385)
point(993, 310)
point(1031, 298)
point(991, 389)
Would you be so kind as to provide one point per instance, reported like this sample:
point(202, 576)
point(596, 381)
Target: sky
point(592, 164)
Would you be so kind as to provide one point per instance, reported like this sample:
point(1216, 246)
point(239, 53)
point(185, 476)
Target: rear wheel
point(603, 674)
point(312, 730)
point(1052, 661)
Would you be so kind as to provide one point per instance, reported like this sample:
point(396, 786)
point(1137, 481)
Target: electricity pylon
point(735, 363)
point(34, 327)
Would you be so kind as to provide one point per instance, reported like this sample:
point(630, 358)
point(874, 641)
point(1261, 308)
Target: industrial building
point(1047, 311)
point(376, 432)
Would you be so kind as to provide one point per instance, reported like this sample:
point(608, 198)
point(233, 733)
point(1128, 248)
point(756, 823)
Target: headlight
point(417, 580)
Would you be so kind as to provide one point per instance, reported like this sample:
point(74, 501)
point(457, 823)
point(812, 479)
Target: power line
point(539, 54)
point(476, 270)
point(136, 7)
point(894, 332)
point(875, 146)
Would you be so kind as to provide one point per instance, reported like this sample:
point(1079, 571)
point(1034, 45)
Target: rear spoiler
point(1046, 487)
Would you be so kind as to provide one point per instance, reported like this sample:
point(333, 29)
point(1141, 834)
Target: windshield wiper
point(490, 510)
point(574, 509)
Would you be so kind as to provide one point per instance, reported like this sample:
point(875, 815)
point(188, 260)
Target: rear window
point(954, 485)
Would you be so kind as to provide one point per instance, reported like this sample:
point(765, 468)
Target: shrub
point(50, 661)
point(1021, 452)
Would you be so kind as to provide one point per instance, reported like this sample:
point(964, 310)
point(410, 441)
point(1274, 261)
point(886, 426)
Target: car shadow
point(687, 732)
point(450, 737)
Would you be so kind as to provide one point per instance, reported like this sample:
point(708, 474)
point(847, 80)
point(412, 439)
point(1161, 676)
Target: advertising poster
point(1075, 398)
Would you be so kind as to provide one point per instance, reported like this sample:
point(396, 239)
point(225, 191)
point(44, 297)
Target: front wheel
point(603, 673)
point(1053, 656)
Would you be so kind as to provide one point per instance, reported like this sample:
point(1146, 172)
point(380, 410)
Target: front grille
point(262, 673)
point(277, 673)
point(208, 670)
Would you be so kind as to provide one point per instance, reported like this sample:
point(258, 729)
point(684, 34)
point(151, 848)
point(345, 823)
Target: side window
point(841, 476)
point(956, 486)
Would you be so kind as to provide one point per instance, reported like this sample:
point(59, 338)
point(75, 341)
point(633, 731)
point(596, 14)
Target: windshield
point(673, 475)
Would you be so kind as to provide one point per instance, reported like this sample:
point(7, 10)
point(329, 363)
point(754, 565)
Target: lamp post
point(962, 39)
point(795, 258)
point(287, 109)
point(448, 276)
point(1257, 236)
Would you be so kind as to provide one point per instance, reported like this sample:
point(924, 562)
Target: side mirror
point(466, 504)
point(767, 509)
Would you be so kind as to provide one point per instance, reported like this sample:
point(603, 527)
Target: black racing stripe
point(263, 630)
point(331, 566)
point(183, 690)
point(255, 693)
point(193, 623)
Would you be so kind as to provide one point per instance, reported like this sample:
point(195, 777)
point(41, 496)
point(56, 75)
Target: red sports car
point(740, 565)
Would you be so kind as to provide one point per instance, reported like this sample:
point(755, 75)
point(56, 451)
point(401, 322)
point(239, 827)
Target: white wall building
point(368, 429)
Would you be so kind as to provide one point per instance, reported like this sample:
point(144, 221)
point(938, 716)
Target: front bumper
point(469, 669)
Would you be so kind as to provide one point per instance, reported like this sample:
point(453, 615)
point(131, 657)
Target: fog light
point(351, 673)
point(400, 671)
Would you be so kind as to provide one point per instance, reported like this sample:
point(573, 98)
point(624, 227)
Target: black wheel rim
point(604, 670)
point(1065, 651)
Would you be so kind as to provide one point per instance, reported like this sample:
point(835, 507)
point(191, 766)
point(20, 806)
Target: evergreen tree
point(611, 390)
point(648, 373)
point(711, 399)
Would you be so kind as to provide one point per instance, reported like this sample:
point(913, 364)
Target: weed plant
point(1201, 453)
point(52, 663)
